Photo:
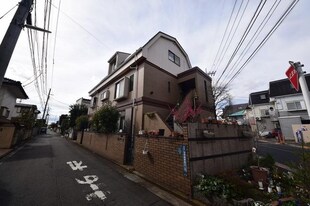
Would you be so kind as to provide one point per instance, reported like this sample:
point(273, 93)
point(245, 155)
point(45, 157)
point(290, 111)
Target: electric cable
point(224, 34)
point(244, 36)
point(8, 11)
point(274, 28)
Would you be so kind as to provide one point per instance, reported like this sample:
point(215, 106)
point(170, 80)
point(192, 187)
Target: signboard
point(184, 154)
point(292, 75)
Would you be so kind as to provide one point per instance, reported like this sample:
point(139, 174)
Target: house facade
point(259, 112)
point(9, 92)
point(83, 101)
point(155, 78)
point(289, 104)
point(25, 108)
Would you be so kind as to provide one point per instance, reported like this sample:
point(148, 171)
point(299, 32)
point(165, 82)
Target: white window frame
point(174, 58)
point(121, 89)
point(295, 104)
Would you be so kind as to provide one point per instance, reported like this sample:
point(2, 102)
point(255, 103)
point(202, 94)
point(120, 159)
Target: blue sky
point(90, 32)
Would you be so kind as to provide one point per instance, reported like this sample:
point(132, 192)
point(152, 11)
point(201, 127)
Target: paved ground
point(49, 170)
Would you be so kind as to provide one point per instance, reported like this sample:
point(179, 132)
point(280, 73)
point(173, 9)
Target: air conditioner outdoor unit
point(105, 95)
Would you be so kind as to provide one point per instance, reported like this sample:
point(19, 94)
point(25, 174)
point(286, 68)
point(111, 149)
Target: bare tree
point(222, 98)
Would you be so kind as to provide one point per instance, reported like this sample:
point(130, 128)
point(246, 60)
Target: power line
point(8, 11)
point(254, 37)
point(224, 34)
point(224, 52)
point(244, 36)
point(82, 27)
point(274, 28)
point(54, 49)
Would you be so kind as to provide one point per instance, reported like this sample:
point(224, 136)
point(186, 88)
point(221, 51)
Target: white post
point(303, 85)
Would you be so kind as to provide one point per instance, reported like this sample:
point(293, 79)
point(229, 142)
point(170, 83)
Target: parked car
point(267, 134)
point(43, 130)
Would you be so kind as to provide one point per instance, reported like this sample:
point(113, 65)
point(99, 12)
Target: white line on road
point(90, 179)
point(76, 165)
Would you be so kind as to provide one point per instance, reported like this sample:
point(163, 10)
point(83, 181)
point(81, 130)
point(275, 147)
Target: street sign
point(292, 75)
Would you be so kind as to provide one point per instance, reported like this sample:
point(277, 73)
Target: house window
point(121, 88)
point(18, 109)
point(4, 112)
point(169, 87)
point(122, 123)
point(263, 96)
point(293, 105)
point(206, 91)
point(94, 103)
point(174, 58)
point(131, 80)
point(264, 112)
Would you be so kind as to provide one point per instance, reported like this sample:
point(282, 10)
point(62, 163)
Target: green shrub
point(212, 186)
point(81, 122)
point(105, 120)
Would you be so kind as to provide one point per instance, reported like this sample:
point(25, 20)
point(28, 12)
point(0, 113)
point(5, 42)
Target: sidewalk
point(289, 143)
point(4, 152)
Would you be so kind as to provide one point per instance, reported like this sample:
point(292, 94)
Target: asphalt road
point(282, 153)
point(49, 170)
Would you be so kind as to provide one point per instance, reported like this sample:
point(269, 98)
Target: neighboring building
point(231, 109)
point(259, 111)
point(25, 108)
point(9, 92)
point(83, 101)
point(289, 104)
point(239, 117)
point(155, 78)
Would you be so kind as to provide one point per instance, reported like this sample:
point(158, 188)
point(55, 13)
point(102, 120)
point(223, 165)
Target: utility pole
point(48, 97)
point(10, 39)
point(303, 84)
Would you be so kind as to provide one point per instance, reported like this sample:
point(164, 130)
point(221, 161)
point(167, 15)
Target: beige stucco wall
point(111, 146)
point(7, 99)
point(157, 53)
point(156, 85)
point(6, 135)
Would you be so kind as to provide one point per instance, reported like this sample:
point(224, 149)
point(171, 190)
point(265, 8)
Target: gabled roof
point(15, 87)
point(283, 87)
point(138, 52)
point(261, 97)
point(170, 38)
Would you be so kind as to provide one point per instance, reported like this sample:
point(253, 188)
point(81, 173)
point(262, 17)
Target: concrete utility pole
point(303, 84)
point(48, 97)
point(10, 39)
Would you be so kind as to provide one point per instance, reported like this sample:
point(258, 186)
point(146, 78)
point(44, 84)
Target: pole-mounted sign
point(292, 75)
point(297, 77)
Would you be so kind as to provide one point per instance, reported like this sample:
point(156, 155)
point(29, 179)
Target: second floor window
point(293, 105)
point(119, 89)
point(131, 81)
point(174, 58)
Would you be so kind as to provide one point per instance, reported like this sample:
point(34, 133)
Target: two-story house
point(259, 112)
point(289, 105)
point(9, 92)
point(83, 101)
point(154, 78)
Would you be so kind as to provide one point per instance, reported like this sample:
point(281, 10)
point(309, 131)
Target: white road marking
point(76, 165)
point(90, 179)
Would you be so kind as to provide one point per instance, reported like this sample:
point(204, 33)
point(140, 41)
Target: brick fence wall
point(164, 163)
point(111, 146)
